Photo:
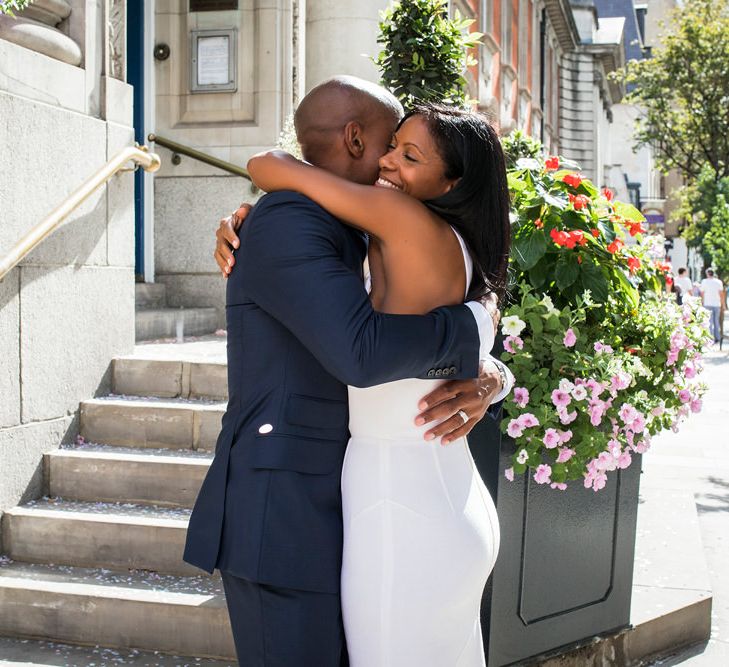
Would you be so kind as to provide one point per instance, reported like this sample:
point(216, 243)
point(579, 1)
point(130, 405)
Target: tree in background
point(683, 92)
point(12, 6)
point(425, 53)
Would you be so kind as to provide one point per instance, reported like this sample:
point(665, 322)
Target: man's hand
point(449, 400)
point(228, 239)
point(491, 303)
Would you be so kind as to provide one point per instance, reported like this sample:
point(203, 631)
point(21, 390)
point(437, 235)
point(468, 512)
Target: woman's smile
point(383, 182)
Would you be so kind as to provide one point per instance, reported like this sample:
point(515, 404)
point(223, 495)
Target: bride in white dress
point(421, 533)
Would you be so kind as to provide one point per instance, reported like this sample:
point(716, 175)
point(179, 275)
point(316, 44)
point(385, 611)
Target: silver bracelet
point(502, 372)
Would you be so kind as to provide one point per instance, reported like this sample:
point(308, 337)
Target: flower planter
point(565, 567)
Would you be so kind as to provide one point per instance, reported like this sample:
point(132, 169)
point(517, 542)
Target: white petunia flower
point(512, 325)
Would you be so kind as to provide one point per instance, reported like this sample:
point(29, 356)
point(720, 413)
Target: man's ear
point(354, 139)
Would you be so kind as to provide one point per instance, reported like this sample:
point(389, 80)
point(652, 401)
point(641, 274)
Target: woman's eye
point(390, 147)
point(409, 158)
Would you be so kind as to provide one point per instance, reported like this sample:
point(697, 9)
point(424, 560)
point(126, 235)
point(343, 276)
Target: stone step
point(126, 475)
point(33, 653)
point(110, 535)
point(146, 422)
point(142, 610)
point(169, 378)
point(150, 295)
point(162, 322)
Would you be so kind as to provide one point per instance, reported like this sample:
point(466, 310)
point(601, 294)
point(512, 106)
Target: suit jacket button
point(439, 373)
point(431, 373)
point(453, 370)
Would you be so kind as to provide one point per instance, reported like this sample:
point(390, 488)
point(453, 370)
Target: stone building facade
point(68, 307)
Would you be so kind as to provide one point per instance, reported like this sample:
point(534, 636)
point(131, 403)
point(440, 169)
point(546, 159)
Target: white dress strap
point(466, 260)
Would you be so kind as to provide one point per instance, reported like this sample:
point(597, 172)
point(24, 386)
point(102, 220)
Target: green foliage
point(682, 91)
point(424, 52)
point(12, 6)
point(716, 241)
point(591, 325)
point(697, 201)
point(518, 145)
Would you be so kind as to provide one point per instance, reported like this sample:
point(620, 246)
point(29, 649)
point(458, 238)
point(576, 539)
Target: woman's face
point(413, 164)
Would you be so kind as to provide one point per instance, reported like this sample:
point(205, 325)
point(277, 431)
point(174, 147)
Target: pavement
point(696, 461)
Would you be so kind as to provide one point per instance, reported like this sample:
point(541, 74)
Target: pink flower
point(522, 456)
point(542, 475)
point(515, 428)
point(624, 460)
point(641, 447)
point(561, 399)
point(509, 474)
point(527, 420)
point(558, 485)
point(620, 381)
point(672, 357)
point(565, 436)
point(601, 347)
point(606, 461)
point(596, 411)
point(599, 481)
point(513, 341)
point(569, 338)
point(689, 371)
point(565, 454)
point(684, 396)
point(566, 417)
point(696, 405)
point(579, 393)
point(679, 340)
point(659, 409)
point(628, 413)
point(551, 438)
point(521, 396)
point(638, 424)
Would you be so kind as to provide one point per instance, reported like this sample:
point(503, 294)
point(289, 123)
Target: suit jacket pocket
point(299, 454)
point(317, 413)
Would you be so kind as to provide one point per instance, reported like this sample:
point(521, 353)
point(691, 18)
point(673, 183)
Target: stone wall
point(68, 307)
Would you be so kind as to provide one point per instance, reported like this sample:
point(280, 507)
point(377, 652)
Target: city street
point(697, 460)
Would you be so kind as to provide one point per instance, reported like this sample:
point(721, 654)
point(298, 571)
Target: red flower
point(559, 237)
point(607, 193)
point(538, 223)
point(552, 163)
point(615, 246)
point(579, 259)
point(635, 228)
point(669, 281)
point(580, 202)
point(595, 232)
point(633, 264)
point(572, 179)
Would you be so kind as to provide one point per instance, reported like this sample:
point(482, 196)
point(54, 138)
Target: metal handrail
point(199, 155)
point(140, 155)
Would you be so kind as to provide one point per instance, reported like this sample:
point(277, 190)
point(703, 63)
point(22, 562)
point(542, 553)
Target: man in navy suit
point(300, 328)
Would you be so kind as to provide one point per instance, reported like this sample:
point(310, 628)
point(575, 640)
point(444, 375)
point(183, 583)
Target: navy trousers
point(280, 627)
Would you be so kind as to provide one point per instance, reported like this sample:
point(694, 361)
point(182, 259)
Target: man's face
point(377, 138)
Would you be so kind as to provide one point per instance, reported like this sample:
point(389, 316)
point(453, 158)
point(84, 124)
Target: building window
point(487, 12)
point(523, 43)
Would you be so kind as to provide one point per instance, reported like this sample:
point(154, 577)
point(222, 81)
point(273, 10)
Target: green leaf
point(566, 270)
point(594, 279)
point(628, 211)
point(530, 248)
point(538, 273)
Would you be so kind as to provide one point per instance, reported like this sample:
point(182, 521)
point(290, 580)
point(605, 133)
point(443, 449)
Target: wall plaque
point(212, 5)
point(212, 65)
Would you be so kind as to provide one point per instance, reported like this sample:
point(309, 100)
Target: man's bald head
point(342, 122)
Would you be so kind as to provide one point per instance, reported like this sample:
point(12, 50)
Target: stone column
point(338, 33)
point(35, 29)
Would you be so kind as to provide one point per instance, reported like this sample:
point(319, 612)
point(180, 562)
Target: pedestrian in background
point(712, 297)
point(684, 284)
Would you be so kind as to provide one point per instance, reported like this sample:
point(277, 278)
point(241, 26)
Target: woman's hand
point(446, 403)
point(227, 239)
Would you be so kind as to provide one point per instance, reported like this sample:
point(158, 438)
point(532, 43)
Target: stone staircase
point(154, 319)
point(98, 562)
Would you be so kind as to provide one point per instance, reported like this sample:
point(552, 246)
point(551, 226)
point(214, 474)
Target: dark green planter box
point(564, 572)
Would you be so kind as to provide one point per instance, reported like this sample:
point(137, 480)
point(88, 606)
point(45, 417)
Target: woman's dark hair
point(478, 204)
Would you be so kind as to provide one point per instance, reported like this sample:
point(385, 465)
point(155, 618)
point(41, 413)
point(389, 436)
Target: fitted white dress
point(421, 536)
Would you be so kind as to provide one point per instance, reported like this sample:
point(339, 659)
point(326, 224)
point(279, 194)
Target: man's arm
point(293, 270)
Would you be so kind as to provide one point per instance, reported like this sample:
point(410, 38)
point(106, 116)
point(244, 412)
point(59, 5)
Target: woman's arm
point(362, 206)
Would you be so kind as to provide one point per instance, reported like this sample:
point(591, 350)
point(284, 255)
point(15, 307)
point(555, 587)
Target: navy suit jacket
point(300, 328)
